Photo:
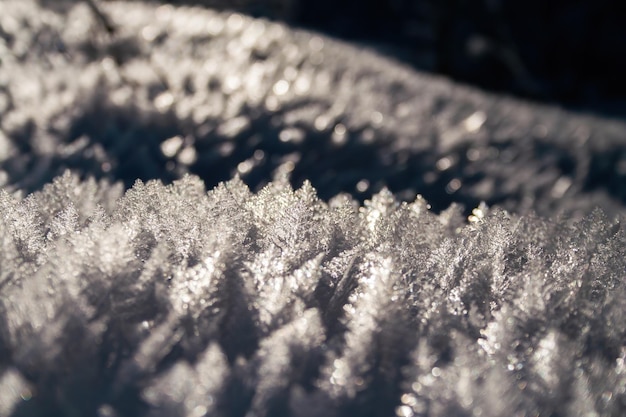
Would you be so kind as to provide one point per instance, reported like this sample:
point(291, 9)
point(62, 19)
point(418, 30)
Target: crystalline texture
point(171, 300)
point(287, 305)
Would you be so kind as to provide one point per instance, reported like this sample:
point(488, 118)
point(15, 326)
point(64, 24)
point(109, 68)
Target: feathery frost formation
point(166, 300)
point(174, 301)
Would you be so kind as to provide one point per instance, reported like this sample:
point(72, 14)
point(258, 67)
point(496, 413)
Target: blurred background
point(569, 52)
point(446, 142)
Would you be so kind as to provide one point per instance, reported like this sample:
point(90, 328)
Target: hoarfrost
point(170, 300)
point(178, 301)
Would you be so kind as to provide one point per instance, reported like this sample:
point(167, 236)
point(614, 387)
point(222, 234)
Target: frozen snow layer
point(177, 90)
point(174, 301)
point(168, 300)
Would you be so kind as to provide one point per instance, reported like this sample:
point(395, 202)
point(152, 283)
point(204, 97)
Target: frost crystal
point(170, 300)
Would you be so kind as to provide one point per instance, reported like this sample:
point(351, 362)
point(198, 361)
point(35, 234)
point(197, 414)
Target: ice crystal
point(170, 300)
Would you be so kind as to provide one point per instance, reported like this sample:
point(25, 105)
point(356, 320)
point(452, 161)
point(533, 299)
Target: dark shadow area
point(120, 143)
point(565, 52)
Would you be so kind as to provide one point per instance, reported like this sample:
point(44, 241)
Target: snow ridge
point(180, 90)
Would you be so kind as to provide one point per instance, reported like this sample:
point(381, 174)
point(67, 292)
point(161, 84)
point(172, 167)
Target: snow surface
point(179, 90)
point(174, 301)
point(171, 300)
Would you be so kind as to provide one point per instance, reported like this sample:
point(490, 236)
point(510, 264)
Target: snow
point(126, 295)
point(170, 300)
